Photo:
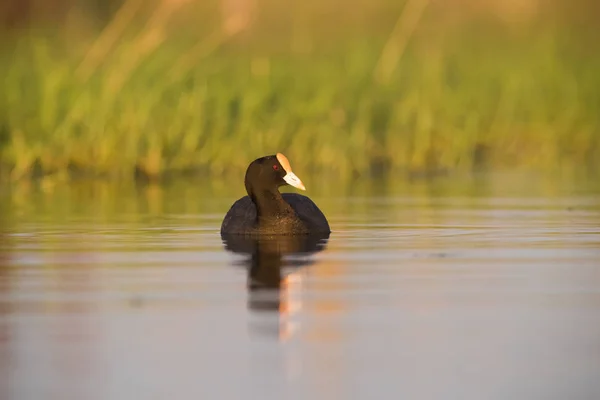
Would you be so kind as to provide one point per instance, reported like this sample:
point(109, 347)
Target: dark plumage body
point(300, 217)
point(265, 211)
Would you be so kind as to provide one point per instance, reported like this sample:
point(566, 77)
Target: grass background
point(159, 88)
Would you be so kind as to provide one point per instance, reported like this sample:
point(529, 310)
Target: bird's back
point(242, 219)
point(308, 212)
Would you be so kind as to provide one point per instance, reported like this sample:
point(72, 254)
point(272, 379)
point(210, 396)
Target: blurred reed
point(182, 87)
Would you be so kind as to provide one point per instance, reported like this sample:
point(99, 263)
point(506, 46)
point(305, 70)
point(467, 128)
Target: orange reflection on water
point(330, 304)
point(290, 304)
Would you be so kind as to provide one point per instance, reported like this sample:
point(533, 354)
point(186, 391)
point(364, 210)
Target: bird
point(266, 211)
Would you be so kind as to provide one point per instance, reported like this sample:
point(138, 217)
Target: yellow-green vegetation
point(169, 90)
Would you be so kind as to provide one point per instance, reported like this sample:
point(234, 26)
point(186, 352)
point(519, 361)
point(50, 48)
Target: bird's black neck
point(269, 203)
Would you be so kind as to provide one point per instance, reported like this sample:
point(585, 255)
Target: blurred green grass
point(174, 95)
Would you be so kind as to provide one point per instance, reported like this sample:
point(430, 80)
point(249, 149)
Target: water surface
point(475, 288)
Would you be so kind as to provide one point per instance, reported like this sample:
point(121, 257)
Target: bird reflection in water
point(273, 264)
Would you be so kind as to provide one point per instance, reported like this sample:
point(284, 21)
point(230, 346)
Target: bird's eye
point(275, 167)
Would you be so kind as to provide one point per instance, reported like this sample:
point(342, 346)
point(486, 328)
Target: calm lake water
point(447, 288)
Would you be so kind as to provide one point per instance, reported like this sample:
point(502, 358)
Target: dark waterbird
point(265, 211)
